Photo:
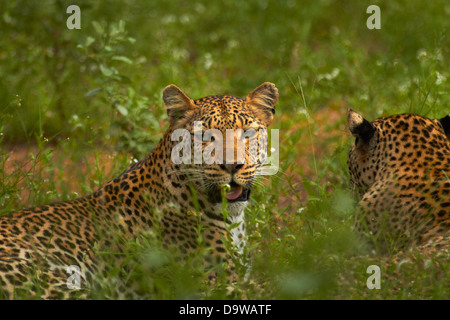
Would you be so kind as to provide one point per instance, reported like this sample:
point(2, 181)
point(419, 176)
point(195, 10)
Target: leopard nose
point(232, 167)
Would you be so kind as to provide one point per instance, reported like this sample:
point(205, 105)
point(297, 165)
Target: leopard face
point(400, 166)
point(228, 139)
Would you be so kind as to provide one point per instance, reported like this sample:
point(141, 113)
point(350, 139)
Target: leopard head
point(220, 140)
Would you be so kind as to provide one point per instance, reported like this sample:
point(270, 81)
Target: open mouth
point(235, 194)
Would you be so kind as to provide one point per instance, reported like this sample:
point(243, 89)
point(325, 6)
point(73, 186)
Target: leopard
point(167, 191)
point(399, 167)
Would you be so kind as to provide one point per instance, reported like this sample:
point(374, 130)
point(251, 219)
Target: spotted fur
point(400, 166)
point(38, 244)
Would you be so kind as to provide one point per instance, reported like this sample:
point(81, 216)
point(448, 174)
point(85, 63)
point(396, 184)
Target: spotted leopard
point(400, 166)
point(153, 192)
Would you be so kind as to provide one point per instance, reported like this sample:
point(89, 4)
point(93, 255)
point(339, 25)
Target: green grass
point(88, 102)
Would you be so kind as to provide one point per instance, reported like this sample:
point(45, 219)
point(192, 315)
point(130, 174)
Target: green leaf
point(123, 59)
point(93, 92)
point(98, 27)
point(105, 71)
point(122, 110)
point(89, 41)
point(121, 25)
point(313, 198)
point(131, 92)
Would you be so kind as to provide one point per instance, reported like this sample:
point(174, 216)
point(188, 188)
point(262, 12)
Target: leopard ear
point(262, 101)
point(360, 128)
point(179, 105)
point(445, 122)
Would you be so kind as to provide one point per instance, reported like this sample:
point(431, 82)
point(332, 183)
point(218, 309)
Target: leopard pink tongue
point(235, 192)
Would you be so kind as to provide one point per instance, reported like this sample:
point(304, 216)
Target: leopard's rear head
point(395, 145)
point(401, 166)
point(220, 140)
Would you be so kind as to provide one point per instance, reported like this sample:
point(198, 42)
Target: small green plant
point(133, 120)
